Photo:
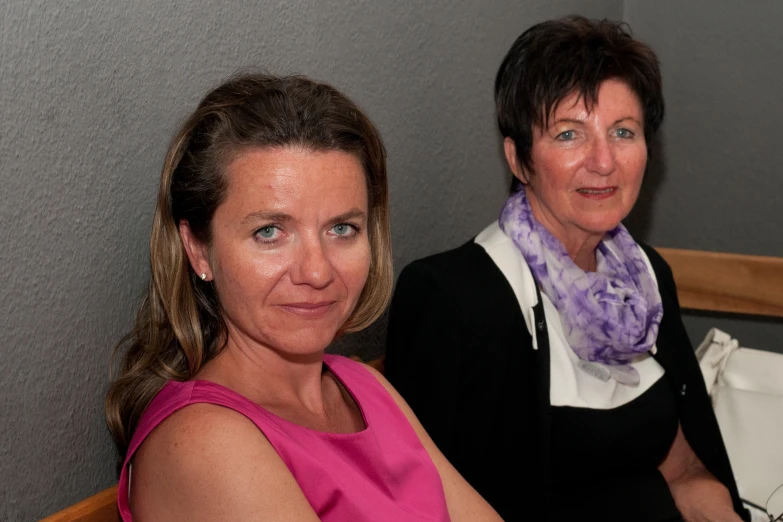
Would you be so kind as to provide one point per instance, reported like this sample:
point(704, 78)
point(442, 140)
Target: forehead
point(614, 97)
point(290, 175)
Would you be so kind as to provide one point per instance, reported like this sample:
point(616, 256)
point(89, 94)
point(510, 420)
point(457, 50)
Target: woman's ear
point(510, 149)
point(197, 252)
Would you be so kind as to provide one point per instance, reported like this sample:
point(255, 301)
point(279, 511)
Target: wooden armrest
point(101, 507)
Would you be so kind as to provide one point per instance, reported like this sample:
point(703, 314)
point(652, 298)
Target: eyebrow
point(628, 118)
point(567, 120)
point(267, 216)
point(282, 217)
point(354, 213)
point(580, 122)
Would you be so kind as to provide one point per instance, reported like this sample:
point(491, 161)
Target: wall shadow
point(367, 344)
point(639, 221)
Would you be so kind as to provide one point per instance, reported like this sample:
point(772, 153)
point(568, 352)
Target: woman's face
point(290, 253)
point(588, 166)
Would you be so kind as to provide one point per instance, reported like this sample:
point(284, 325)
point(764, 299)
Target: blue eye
point(566, 135)
point(267, 232)
point(624, 133)
point(344, 230)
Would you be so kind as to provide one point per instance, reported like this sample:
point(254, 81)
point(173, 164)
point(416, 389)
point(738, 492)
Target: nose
point(601, 157)
point(312, 265)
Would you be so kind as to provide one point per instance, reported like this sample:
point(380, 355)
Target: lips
point(597, 193)
point(307, 309)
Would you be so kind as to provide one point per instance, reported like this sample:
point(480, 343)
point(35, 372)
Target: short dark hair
point(556, 58)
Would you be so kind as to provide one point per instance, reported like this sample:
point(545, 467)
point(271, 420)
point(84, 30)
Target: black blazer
point(460, 354)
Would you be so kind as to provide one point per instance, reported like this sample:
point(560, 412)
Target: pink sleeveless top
point(382, 473)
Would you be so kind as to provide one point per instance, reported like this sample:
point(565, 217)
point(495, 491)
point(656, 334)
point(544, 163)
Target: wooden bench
point(709, 281)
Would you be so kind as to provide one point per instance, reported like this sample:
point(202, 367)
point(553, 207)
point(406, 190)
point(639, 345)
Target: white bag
point(746, 387)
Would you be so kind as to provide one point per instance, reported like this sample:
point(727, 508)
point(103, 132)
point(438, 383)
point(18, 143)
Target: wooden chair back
point(720, 282)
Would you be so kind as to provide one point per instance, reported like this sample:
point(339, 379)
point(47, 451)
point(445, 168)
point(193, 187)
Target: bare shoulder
point(206, 462)
point(196, 433)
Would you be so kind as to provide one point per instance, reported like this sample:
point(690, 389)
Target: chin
point(601, 224)
point(304, 342)
point(601, 229)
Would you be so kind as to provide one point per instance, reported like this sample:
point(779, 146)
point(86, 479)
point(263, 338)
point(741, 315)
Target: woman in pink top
point(270, 238)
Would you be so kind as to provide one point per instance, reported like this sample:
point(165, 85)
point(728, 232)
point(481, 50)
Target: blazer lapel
point(531, 307)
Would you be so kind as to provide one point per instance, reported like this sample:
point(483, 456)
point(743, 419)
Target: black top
point(459, 352)
point(600, 457)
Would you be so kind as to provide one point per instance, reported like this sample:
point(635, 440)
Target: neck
point(582, 253)
point(266, 376)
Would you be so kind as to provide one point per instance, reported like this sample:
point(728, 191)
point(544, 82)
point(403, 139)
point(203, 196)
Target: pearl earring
point(203, 277)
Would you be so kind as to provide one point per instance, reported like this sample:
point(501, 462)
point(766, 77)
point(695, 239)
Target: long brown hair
point(179, 327)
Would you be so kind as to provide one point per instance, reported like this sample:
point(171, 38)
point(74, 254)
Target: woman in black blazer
point(547, 357)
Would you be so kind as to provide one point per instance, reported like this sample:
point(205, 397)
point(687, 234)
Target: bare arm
point(209, 463)
point(699, 496)
point(464, 503)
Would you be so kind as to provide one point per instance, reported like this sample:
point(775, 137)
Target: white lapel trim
point(508, 259)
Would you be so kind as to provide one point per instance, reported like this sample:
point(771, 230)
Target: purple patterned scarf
point(609, 316)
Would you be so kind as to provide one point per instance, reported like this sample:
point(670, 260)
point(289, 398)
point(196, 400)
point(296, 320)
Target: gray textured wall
point(718, 186)
point(90, 92)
